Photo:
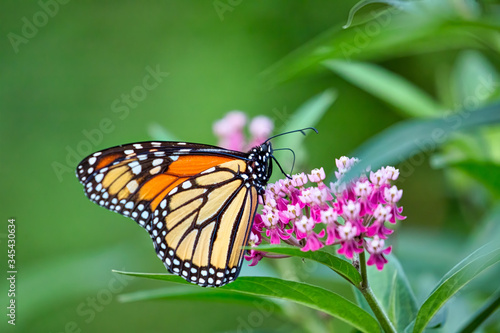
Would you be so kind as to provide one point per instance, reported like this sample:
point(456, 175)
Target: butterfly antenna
point(299, 130)
point(279, 165)
point(293, 153)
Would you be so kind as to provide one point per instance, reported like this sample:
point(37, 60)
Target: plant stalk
point(374, 304)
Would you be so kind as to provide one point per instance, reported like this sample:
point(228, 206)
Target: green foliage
point(387, 86)
point(337, 264)
point(453, 281)
point(412, 83)
point(301, 293)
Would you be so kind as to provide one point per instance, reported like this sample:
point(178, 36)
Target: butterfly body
point(196, 201)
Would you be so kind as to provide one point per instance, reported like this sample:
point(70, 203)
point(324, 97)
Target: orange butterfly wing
point(194, 200)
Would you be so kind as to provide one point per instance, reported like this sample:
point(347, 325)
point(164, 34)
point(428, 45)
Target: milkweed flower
point(352, 216)
point(303, 211)
point(230, 131)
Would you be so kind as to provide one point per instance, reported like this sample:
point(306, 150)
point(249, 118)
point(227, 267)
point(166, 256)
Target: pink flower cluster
point(353, 216)
point(230, 132)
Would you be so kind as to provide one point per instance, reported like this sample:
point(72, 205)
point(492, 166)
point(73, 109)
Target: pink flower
point(291, 213)
point(317, 175)
point(254, 255)
point(344, 164)
point(352, 215)
point(306, 196)
point(275, 230)
point(376, 249)
point(392, 195)
point(330, 216)
point(348, 235)
point(391, 172)
point(260, 129)
point(304, 225)
point(230, 130)
point(312, 242)
point(382, 213)
point(299, 180)
point(351, 210)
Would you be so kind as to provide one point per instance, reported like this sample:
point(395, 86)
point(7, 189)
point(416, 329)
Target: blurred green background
point(64, 78)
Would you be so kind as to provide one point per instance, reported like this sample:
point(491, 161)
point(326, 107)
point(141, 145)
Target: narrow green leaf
point(199, 294)
point(419, 27)
point(388, 86)
point(474, 80)
point(453, 281)
point(414, 138)
point(392, 289)
point(301, 293)
point(482, 314)
point(487, 173)
point(364, 3)
point(341, 266)
point(307, 115)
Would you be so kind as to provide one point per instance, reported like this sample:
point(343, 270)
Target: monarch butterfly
point(196, 201)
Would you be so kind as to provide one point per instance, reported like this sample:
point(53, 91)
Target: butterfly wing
point(204, 222)
point(195, 201)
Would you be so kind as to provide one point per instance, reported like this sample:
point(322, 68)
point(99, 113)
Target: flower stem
point(374, 304)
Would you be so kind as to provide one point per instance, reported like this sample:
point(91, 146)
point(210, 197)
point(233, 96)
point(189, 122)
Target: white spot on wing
point(209, 170)
point(137, 169)
point(129, 151)
point(158, 161)
point(92, 160)
point(155, 170)
point(132, 186)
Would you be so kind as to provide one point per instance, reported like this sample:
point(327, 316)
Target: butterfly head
point(260, 165)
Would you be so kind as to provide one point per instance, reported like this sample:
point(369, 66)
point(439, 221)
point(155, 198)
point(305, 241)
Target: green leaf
point(453, 281)
point(392, 289)
point(311, 296)
point(482, 314)
point(415, 138)
point(388, 86)
point(487, 173)
point(307, 115)
point(341, 266)
point(421, 27)
point(199, 294)
point(474, 80)
point(358, 6)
